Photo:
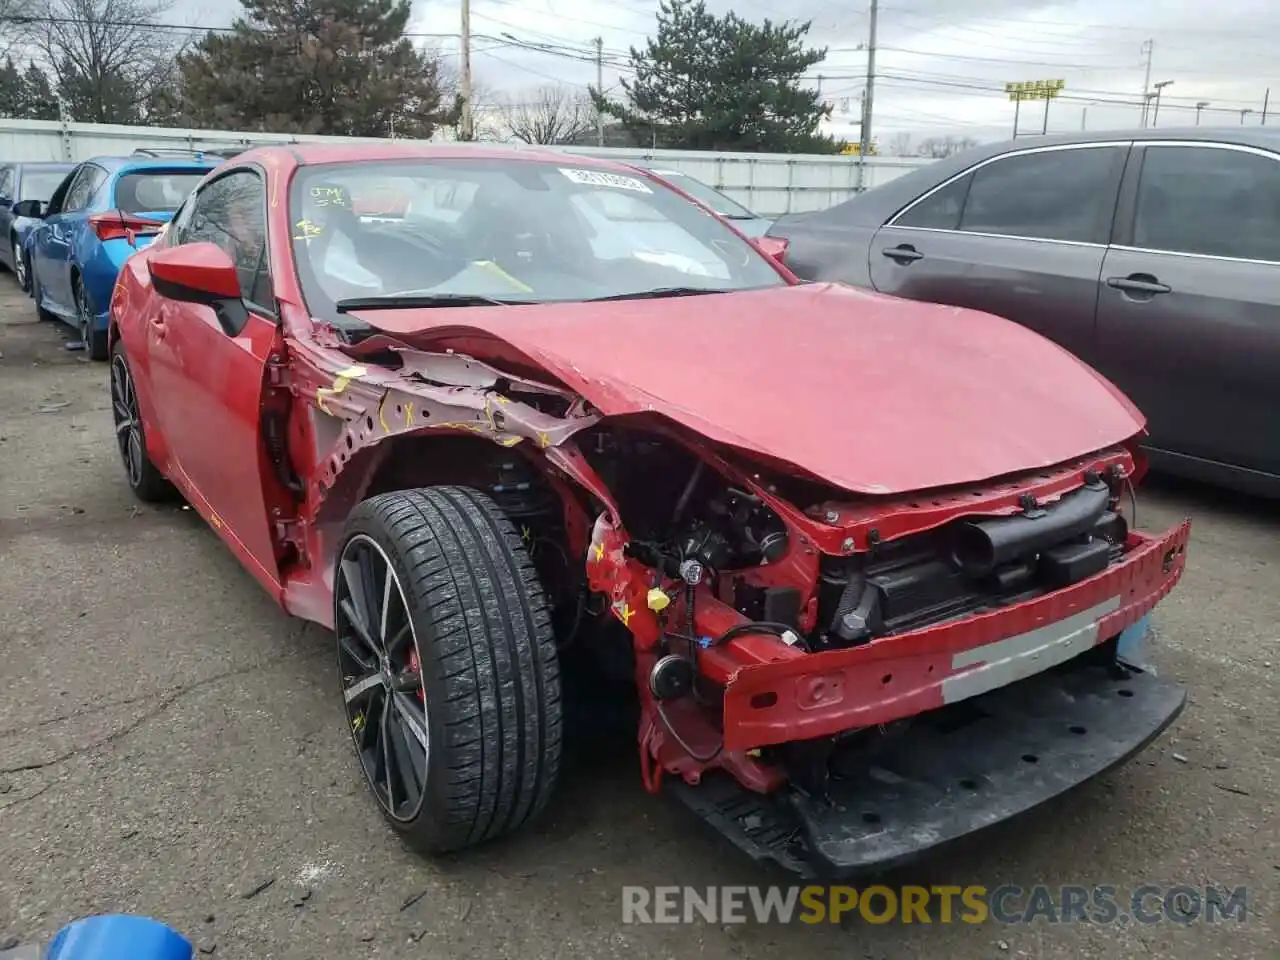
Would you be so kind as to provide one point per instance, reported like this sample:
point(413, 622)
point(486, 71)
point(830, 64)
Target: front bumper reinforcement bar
point(955, 771)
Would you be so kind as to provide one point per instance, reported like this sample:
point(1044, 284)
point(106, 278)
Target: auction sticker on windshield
point(600, 179)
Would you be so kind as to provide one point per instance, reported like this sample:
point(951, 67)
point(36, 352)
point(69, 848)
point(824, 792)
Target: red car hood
point(871, 393)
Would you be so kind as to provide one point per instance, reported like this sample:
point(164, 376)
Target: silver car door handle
point(903, 254)
point(1138, 284)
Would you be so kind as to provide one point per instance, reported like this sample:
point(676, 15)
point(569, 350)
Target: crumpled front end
point(992, 628)
point(797, 649)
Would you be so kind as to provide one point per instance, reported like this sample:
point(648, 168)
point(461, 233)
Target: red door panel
point(207, 388)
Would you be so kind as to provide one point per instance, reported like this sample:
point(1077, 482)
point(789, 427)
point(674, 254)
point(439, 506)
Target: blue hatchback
point(105, 211)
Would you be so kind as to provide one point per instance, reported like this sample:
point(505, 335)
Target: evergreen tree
point(333, 67)
point(721, 83)
point(26, 95)
point(38, 100)
point(11, 99)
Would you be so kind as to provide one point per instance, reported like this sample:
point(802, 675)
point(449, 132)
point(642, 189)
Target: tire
point(95, 341)
point(147, 483)
point(21, 265)
point(486, 749)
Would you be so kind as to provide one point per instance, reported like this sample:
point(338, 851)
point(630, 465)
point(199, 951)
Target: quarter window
point(83, 188)
point(1052, 195)
point(231, 213)
point(1211, 201)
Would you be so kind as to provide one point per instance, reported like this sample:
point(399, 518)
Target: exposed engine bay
point(713, 539)
point(690, 523)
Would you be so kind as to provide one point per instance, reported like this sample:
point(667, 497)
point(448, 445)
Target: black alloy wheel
point(148, 484)
point(95, 341)
point(381, 674)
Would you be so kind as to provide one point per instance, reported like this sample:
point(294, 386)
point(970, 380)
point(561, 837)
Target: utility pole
point(1244, 113)
point(599, 91)
point(1200, 106)
point(1266, 101)
point(1148, 49)
point(467, 127)
point(864, 143)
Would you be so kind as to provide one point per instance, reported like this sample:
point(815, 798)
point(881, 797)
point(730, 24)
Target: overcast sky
point(941, 65)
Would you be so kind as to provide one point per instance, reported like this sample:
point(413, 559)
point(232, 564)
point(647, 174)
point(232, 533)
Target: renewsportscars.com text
point(1099, 904)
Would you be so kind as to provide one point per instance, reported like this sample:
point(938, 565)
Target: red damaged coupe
point(863, 562)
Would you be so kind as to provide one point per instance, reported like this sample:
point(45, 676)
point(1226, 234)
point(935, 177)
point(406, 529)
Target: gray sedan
point(1152, 255)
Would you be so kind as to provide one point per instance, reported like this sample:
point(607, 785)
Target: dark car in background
point(746, 222)
point(1153, 255)
point(18, 182)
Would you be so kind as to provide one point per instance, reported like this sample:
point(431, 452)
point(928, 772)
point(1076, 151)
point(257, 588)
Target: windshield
point(703, 193)
point(517, 230)
point(160, 192)
point(40, 184)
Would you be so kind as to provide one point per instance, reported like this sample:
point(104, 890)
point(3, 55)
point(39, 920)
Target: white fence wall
point(770, 184)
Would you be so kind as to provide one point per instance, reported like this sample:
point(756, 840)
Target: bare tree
point(107, 57)
point(12, 20)
point(551, 115)
point(901, 144)
point(937, 148)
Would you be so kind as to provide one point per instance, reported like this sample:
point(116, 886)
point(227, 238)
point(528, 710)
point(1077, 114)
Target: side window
point(1053, 195)
point(231, 213)
point(940, 210)
point(83, 188)
point(7, 183)
point(182, 219)
point(1206, 200)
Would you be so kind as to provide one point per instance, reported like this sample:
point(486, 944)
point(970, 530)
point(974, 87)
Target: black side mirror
point(29, 208)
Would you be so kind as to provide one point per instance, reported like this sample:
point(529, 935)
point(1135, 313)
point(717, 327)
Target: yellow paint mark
point(500, 400)
point(598, 549)
point(408, 414)
point(307, 230)
point(498, 271)
point(657, 599)
point(509, 441)
point(386, 427)
point(624, 612)
point(461, 425)
point(340, 383)
point(544, 439)
point(216, 521)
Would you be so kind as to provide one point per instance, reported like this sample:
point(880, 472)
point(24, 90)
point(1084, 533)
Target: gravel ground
point(171, 743)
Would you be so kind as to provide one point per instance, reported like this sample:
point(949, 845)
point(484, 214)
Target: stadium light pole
point(1155, 115)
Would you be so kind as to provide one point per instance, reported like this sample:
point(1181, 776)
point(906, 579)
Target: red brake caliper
point(416, 667)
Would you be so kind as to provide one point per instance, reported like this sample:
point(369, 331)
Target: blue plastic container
point(118, 937)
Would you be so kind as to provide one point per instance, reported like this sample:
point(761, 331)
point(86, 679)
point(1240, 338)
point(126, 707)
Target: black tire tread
point(493, 680)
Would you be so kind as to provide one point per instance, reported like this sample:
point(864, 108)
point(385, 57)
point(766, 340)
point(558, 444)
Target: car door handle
point(1138, 283)
point(904, 253)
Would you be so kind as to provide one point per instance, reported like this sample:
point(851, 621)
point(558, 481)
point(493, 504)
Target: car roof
point(879, 203)
point(142, 164)
point(51, 165)
point(308, 154)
